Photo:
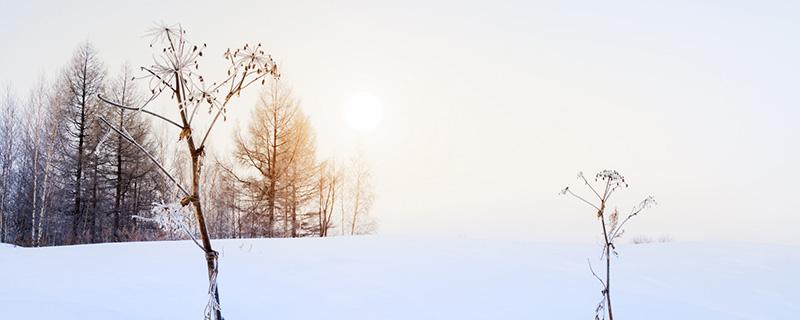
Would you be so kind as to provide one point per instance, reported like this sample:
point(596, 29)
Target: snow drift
point(398, 278)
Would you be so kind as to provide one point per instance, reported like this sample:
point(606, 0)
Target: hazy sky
point(492, 107)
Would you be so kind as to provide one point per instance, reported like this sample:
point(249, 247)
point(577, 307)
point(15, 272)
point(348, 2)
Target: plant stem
point(607, 249)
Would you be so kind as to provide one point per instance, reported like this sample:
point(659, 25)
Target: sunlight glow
point(363, 112)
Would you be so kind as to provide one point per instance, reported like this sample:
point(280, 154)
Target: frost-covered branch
point(139, 110)
point(646, 203)
point(171, 218)
point(130, 139)
point(568, 191)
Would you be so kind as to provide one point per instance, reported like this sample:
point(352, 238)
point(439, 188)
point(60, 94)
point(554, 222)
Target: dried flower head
point(612, 176)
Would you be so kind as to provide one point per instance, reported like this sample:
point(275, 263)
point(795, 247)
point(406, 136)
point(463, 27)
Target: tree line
point(66, 178)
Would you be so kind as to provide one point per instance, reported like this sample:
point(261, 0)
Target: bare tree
point(83, 81)
point(176, 72)
point(222, 199)
point(8, 154)
point(279, 155)
point(328, 182)
point(609, 181)
point(28, 154)
point(360, 195)
point(300, 172)
point(128, 167)
point(40, 139)
point(266, 150)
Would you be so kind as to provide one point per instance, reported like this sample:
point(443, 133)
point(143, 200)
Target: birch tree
point(8, 155)
point(36, 131)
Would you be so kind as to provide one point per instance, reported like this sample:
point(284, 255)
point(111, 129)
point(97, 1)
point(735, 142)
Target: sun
point(363, 112)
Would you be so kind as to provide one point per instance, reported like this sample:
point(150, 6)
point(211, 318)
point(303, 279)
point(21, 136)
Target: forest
point(68, 177)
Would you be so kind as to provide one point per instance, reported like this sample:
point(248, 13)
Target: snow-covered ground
point(398, 278)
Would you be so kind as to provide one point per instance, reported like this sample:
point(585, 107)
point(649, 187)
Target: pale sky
point(490, 108)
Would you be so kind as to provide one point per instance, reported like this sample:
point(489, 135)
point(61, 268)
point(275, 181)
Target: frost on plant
point(172, 218)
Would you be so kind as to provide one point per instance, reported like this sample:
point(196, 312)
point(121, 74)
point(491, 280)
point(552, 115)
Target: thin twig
point(211, 126)
point(634, 213)
point(590, 186)
point(582, 199)
point(595, 274)
point(605, 193)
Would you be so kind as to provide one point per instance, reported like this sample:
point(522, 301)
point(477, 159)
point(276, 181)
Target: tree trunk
point(294, 212)
point(118, 191)
point(47, 168)
point(356, 208)
point(34, 169)
point(79, 165)
point(3, 207)
point(92, 217)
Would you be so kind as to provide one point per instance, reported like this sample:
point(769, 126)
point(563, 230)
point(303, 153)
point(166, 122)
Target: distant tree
point(8, 156)
point(223, 201)
point(610, 181)
point(98, 161)
point(132, 176)
point(83, 80)
point(265, 151)
point(328, 184)
point(300, 172)
point(176, 72)
point(360, 196)
point(40, 138)
point(278, 153)
point(27, 170)
point(41, 141)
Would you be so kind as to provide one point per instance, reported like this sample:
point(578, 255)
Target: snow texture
point(398, 278)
